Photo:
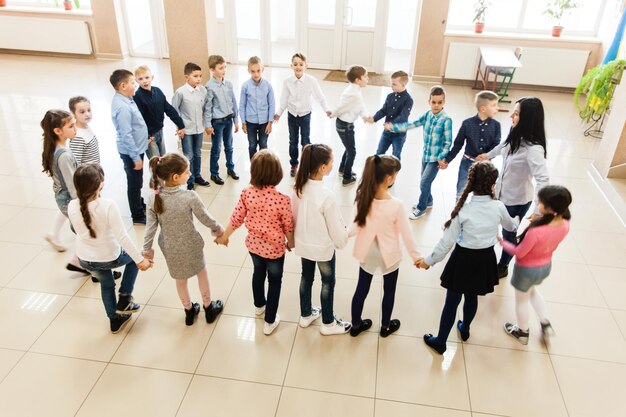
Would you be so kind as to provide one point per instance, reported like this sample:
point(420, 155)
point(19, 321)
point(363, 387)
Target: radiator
point(540, 66)
point(46, 35)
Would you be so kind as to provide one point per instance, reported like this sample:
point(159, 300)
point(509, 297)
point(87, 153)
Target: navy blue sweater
point(477, 135)
point(396, 108)
point(153, 105)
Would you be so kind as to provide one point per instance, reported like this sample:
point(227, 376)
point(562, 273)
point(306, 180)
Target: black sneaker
point(217, 179)
point(356, 330)
point(190, 187)
point(503, 271)
point(232, 174)
point(74, 268)
point(434, 344)
point(348, 181)
point(190, 315)
point(465, 334)
point(126, 305)
point(140, 220)
point(201, 181)
point(119, 322)
point(116, 275)
point(214, 310)
point(514, 331)
point(393, 326)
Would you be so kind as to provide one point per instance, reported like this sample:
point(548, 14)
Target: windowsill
point(517, 36)
point(46, 11)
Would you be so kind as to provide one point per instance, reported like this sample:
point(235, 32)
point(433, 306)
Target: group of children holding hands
point(309, 220)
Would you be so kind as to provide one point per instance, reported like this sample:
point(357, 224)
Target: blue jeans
point(134, 183)
point(257, 138)
point(462, 178)
point(327, 271)
point(346, 134)
point(157, 147)
point(303, 125)
point(192, 148)
point(518, 210)
point(395, 140)
point(103, 271)
point(363, 288)
point(273, 270)
point(429, 172)
point(223, 132)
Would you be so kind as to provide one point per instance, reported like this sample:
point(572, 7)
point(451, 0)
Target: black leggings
point(363, 287)
point(448, 315)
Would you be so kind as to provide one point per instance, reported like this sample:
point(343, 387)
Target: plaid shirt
point(437, 134)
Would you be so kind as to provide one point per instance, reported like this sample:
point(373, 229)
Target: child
point(471, 270)
point(190, 102)
point(480, 134)
point(319, 229)
point(296, 99)
point(379, 222)
point(256, 107)
point(102, 244)
point(132, 139)
point(152, 104)
point(533, 258)
point(268, 218)
point(173, 208)
point(437, 140)
point(84, 146)
point(221, 113)
point(351, 106)
point(396, 109)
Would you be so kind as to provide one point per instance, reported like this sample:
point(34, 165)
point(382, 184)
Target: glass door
point(145, 28)
point(362, 34)
point(399, 52)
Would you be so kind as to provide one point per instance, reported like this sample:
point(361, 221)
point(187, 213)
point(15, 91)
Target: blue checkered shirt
point(437, 134)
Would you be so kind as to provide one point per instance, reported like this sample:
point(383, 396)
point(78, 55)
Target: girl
point(533, 258)
point(173, 207)
point(379, 222)
point(471, 270)
point(318, 232)
point(103, 244)
point(268, 218)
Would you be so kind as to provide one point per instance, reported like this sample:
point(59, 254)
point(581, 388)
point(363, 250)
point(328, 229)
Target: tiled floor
point(58, 358)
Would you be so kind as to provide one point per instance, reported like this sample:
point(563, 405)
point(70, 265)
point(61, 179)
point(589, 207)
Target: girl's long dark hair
point(555, 198)
point(313, 157)
point(480, 180)
point(530, 127)
point(52, 119)
point(163, 167)
point(377, 168)
point(87, 180)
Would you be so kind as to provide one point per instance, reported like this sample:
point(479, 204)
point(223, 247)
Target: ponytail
point(313, 157)
point(377, 168)
point(87, 180)
point(553, 197)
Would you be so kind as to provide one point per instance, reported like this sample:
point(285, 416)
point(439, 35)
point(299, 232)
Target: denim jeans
point(273, 270)
point(395, 140)
point(346, 134)
point(519, 210)
point(303, 125)
point(134, 183)
point(429, 172)
point(448, 315)
point(363, 288)
point(192, 148)
point(327, 271)
point(257, 138)
point(462, 178)
point(103, 271)
point(157, 147)
point(223, 132)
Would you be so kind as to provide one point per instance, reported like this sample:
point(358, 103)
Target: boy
point(351, 106)
point(396, 109)
point(296, 98)
point(480, 133)
point(256, 107)
point(190, 102)
point(152, 104)
point(437, 140)
point(132, 139)
point(221, 112)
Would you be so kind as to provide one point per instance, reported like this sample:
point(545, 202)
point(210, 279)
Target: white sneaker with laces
point(336, 327)
point(414, 215)
point(268, 328)
point(315, 314)
point(259, 310)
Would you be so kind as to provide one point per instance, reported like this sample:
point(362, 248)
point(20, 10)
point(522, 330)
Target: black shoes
point(465, 334)
point(356, 330)
point(74, 268)
point(232, 174)
point(217, 179)
point(126, 305)
point(433, 343)
point(503, 271)
point(348, 181)
point(393, 326)
point(190, 187)
point(116, 275)
point(213, 310)
point(192, 313)
point(201, 181)
point(119, 322)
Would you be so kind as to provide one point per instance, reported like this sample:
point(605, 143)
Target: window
point(50, 4)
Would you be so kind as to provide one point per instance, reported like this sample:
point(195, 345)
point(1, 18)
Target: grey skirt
point(526, 277)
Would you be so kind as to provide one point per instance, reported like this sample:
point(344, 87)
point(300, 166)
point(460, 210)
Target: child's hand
point(329, 114)
point(276, 118)
point(150, 139)
point(181, 133)
point(148, 254)
point(268, 128)
point(144, 265)
point(236, 127)
point(221, 240)
point(244, 127)
point(209, 131)
point(482, 157)
point(138, 165)
point(499, 238)
point(442, 164)
point(389, 127)
point(421, 264)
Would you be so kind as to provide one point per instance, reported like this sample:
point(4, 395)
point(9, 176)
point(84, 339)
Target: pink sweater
point(538, 245)
point(386, 221)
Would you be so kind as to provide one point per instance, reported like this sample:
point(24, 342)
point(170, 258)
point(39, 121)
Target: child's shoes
point(393, 326)
point(119, 322)
point(465, 334)
point(433, 343)
point(268, 328)
point(364, 326)
point(306, 321)
point(259, 310)
point(126, 305)
point(514, 331)
point(190, 314)
point(336, 327)
point(213, 310)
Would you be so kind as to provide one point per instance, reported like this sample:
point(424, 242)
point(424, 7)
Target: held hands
point(244, 128)
point(148, 254)
point(442, 164)
point(268, 128)
point(221, 240)
point(150, 140)
point(209, 131)
point(420, 264)
point(482, 157)
point(181, 133)
point(145, 264)
point(368, 119)
point(276, 118)
point(389, 127)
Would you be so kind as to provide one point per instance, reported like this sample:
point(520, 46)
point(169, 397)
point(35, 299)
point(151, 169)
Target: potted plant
point(3, 3)
point(480, 10)
point(67, 4)
point(555, 11)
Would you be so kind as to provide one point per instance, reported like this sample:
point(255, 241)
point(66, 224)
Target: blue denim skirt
point(525, 277)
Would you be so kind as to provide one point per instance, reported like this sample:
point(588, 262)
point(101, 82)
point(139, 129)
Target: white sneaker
point(428, 207)
point(336, 327)
point(268, 328)
point(414, 215)
point(315, 314)
point(259, 310)
point(56, 245)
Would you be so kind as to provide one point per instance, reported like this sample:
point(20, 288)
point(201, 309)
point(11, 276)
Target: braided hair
point(163, 168)
point(555, 198)
point(377, 168)
point(313, 157)
point(87, 180)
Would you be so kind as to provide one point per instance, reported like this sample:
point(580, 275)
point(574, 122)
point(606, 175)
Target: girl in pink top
point(533, 258)
point(269, 220)
point(380, 221)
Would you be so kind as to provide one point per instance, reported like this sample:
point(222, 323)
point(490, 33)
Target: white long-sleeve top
point(319, 226)
point(297, 94)
point(351, 104)
point(111, 235)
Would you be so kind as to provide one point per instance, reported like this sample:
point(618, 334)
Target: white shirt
point(351, 104)
point(297, 93)
point(319, 226)
point(110, 232)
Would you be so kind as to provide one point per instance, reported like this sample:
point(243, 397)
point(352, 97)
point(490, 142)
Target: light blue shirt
point(190, 103)
point(221, 101)
point(256, 104)
point(475, 227)
point(132, 132)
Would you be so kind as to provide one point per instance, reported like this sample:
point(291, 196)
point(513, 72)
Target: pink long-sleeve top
point(387, 222)
point(268, 218)
point(538, 245)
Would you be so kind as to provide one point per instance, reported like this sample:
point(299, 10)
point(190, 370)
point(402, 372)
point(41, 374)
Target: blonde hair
point(254, 60)
point(215, 60)
point(482, 98)
point(142, 69)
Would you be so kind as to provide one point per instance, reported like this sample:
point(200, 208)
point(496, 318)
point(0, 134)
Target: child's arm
point(403, 127)
point(406, 109)
point(497, 137)
point(151, 227)
point(243, 101)
point(521, 250)
point(446, 243)
point(284, 101)
point(235, 112)
point(318, 94)
point(407, 236)
point(236, 220)
point(380, 113)
point(123, 124)
point(287, 222)
point(459, 141)
point(506, 221)
point(344, 104)
point(271, 104)
point(207, 112)
point(200, 211)
point(119, 231)
point(336, 226)
point(447, 139)
point(67, 166)
point(171, 112)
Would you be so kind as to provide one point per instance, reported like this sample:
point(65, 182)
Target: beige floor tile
point(147, 392)
point(60, 384)
point(591, 388)
point(572, 284)
point(395, 409)
point(8, 212)
point(612, 284)
point(30, 225)
point(620, 318)
point(504, 381)
point(229, 398)
point(14, 257)
point(595, 251)
point(322, 404)
point(30, 314)
point(159, 339)
point(20, 191)
point(8, 359)
point(239, 349)
point(568, 251)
